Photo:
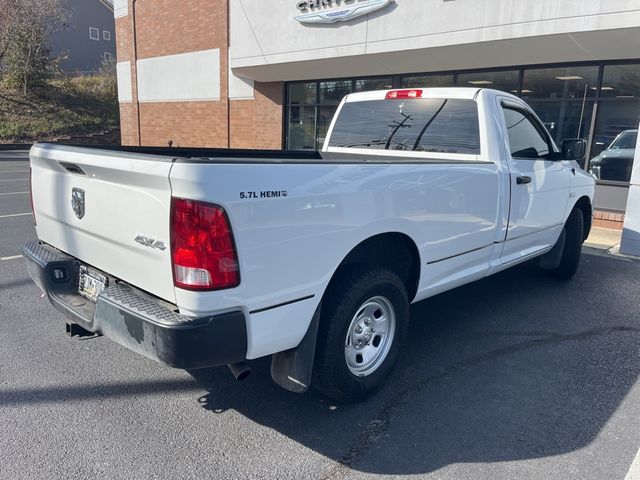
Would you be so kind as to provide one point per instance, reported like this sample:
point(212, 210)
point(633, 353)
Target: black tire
point(346, 294)
point(574, 237)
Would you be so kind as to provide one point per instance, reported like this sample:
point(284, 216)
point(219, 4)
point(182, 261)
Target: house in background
point(89, 40)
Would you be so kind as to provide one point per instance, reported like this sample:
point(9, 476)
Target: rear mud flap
point(292, 369)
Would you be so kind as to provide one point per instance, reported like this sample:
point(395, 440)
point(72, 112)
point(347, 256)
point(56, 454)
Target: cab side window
point(526, 137)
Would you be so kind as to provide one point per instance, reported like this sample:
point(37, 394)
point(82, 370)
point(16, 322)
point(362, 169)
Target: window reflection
point(325, 115)
point(621, 82)
point(302, 126)
point(564, 118)
point(302, 93)
point(366, 85)
point(428, 81)
point(613, 146)
point(333, 92)
point(563, 97)
point(564, 82)
point(506, 81)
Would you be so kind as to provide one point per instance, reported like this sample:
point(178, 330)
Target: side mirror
point(574, 149)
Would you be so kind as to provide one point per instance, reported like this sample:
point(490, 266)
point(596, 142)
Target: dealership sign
point(331, 11)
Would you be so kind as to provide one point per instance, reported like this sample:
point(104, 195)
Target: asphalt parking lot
point(515, 376)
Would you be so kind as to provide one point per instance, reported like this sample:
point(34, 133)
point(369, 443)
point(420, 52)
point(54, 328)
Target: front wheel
point(365, 319)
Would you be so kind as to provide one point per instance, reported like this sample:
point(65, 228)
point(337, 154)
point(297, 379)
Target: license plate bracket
point(91, 283)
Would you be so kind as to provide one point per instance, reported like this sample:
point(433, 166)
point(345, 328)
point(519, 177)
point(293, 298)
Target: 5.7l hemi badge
point(150, 242)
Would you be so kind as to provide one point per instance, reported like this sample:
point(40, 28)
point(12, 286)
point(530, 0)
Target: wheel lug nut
point(358, 329)
point(367, 321)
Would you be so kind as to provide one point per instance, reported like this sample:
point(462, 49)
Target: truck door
point(539, 185)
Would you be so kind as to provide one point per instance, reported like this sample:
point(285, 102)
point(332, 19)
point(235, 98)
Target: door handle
point(523, 180)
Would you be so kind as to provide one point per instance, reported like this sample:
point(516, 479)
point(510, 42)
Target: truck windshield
point(625, 141)
point(422, 125)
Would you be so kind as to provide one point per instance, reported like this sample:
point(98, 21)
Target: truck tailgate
point(126, 196)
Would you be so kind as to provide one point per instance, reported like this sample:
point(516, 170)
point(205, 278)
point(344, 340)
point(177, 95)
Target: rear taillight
point(403, 94)
point(33, 210)
point(203, 252)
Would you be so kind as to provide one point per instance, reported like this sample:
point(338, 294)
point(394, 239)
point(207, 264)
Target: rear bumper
point(137, 320)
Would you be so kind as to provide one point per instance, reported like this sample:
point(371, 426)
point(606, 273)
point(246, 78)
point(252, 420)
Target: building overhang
point(270, 44)
point(617, 44)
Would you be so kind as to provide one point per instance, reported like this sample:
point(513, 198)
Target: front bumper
point(136, 320)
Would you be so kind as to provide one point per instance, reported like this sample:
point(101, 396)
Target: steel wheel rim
point(370, 336)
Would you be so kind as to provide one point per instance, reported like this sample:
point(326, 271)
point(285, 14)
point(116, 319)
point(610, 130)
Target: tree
point(8, 20)
point(32, 23)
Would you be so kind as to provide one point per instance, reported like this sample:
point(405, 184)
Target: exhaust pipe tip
point(240, 370)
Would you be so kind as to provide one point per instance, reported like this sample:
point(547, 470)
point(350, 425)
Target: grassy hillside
point(68, 106)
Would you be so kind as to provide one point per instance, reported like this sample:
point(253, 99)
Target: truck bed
point(251, 156)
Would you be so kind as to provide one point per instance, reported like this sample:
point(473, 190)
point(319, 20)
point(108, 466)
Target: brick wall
point(128, 124)
point(185, 124)
point(613, 221)
point(258, 123)
point(169, 27)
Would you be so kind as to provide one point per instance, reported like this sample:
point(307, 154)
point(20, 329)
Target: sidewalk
point(607, 241)
point(604, 239)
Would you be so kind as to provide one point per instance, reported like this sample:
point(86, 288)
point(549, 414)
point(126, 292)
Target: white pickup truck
point(205, 257)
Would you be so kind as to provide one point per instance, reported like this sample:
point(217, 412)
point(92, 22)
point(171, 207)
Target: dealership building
point(271, 73)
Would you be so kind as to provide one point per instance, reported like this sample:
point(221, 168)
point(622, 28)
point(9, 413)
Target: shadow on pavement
point(16, 283)
point(515, 366)
point(49, 395)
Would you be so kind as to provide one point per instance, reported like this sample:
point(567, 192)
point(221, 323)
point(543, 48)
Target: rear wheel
point(365, 319)
point(574, 237)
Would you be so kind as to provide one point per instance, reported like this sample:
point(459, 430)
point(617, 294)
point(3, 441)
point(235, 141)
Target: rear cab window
point(431, 125)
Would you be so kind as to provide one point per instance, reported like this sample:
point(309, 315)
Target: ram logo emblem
point(77, 202)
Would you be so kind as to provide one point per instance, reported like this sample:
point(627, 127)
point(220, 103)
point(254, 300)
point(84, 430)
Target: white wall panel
point(631, 233)
point(240, 88)
point(192, 76)
point(123, 72)
point(120, 8)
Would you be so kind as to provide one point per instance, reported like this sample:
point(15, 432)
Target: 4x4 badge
point(77, 202)
point(150, 242)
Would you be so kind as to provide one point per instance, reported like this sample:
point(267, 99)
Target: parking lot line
point(14, 180)
point(13, 257)
point(634, 471)
point(14, 171)
point(15, 215)
point(13, 193)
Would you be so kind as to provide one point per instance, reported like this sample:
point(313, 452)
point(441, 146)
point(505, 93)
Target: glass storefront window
point(563, 82)
point(613, 147)
point(506, 81)
point(564, 119)
point(427, 81)
point(621, 81)
point(301, 134)
point(563, 97)
point(333, 92)
point(302, 93)
point(367, 84)
point(325, 115)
